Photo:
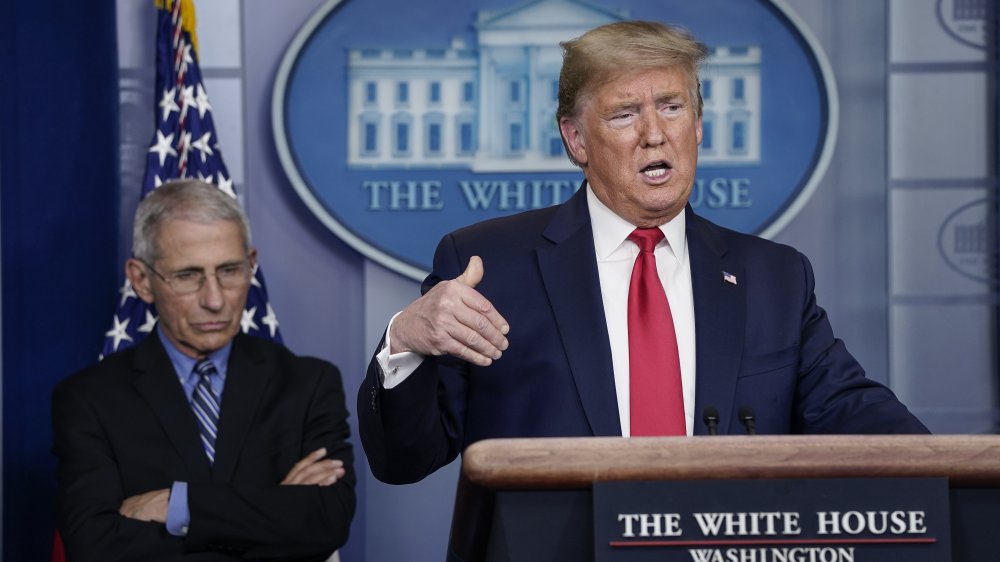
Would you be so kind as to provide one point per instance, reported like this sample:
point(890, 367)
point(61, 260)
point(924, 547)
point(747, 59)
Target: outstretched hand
point(453, 319)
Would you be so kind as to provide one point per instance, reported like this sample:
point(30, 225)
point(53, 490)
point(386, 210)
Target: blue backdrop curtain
point(58, 217)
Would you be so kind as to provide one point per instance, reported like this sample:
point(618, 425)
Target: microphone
point(748, 420)
point(711, 418)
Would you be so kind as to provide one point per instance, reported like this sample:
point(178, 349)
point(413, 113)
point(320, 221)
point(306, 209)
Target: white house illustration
point(491, 107)
point(730, 89)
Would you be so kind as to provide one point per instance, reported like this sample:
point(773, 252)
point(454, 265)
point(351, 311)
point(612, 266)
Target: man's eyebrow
point(633, 102)
point(200, 269)
point(620, 105)
point(670, 96)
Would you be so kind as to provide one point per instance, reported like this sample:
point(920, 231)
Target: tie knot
point(646, 238)
point(205, 368)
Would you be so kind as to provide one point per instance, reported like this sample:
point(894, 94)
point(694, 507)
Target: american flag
point(185, 145)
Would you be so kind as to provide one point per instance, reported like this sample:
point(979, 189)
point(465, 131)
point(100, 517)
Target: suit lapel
point(720, 319)
point(569, 273)
point(246, 378)
point(157, 383)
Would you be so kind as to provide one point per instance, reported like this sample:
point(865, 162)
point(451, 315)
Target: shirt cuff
point(396, 367)
point(178, 515)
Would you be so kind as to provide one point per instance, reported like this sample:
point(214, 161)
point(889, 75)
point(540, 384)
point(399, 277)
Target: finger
point(150, 506)
point(485, 321)
point(306, 461)
point(128, 507)
point(483, 332)
point(473, 273)
point(332, 479)
point(327, 477)
point(467, 344)
point(461, 339)
point(466, 353)
point(471, 277)
point(318, 473)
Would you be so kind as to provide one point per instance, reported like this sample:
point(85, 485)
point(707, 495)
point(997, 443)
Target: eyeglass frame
point(244, 265)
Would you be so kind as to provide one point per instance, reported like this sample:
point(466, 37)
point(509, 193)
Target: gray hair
point(187, 199)
point(600, 55)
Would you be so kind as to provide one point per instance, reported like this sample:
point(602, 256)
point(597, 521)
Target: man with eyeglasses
point(201, 442)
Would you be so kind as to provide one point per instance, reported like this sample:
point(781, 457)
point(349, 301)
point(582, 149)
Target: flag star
point(167, 103)
point(163, 146)
point(226, 185)
point(203, 146)
point(186, 58)
point(187, 99)
point(150, 323)
point(127, 292)
point(201, 100)
point(271, 320)
point(119, 332)
point(247, 322)
point(157, 182)
point(254, 281)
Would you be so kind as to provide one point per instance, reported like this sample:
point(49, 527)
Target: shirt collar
point(611, 231)
point(184, 365)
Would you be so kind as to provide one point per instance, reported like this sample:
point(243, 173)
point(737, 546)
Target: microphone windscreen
point(710, 413)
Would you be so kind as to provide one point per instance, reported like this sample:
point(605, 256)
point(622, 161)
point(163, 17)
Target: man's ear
point(574, 139)
point(140, 279)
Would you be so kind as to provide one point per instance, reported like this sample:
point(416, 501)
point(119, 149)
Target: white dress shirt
point(615, 258)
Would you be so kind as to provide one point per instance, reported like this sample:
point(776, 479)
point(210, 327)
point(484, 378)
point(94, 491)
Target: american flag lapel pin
point(728, 277)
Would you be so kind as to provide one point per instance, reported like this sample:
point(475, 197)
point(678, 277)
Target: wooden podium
point(510, 487)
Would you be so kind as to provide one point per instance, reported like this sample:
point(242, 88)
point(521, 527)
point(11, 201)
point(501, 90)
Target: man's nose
point(651, 129)
point(210, 295)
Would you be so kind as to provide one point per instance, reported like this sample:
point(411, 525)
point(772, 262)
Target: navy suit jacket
point(762, 343)
point(124, 427)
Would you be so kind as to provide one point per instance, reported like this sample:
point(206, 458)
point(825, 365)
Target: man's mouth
point(656, 170)
point(211, 326)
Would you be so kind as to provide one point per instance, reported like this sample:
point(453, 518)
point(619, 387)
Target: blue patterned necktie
point(206, 406)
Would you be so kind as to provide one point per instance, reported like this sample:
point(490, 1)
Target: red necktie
point(657, 403)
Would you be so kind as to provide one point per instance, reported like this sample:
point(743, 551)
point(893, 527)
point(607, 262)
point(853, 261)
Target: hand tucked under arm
point(313, 469)
point(151, 506)
point(454, 319)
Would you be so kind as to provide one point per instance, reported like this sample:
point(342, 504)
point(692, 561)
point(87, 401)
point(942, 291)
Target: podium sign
point(781, 520)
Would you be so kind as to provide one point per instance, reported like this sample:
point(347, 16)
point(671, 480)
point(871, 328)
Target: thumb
point(473, 273)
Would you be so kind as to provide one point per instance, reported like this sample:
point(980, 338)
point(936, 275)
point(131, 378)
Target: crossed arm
point(312, 470)
point(301, 514)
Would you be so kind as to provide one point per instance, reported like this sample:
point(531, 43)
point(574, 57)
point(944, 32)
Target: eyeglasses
point(229, 276)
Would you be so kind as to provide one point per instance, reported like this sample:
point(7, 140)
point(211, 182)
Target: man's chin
point(210, 341)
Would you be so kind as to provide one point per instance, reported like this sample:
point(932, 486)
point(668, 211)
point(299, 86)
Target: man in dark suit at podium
point(201, 443)
point(621, 311)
